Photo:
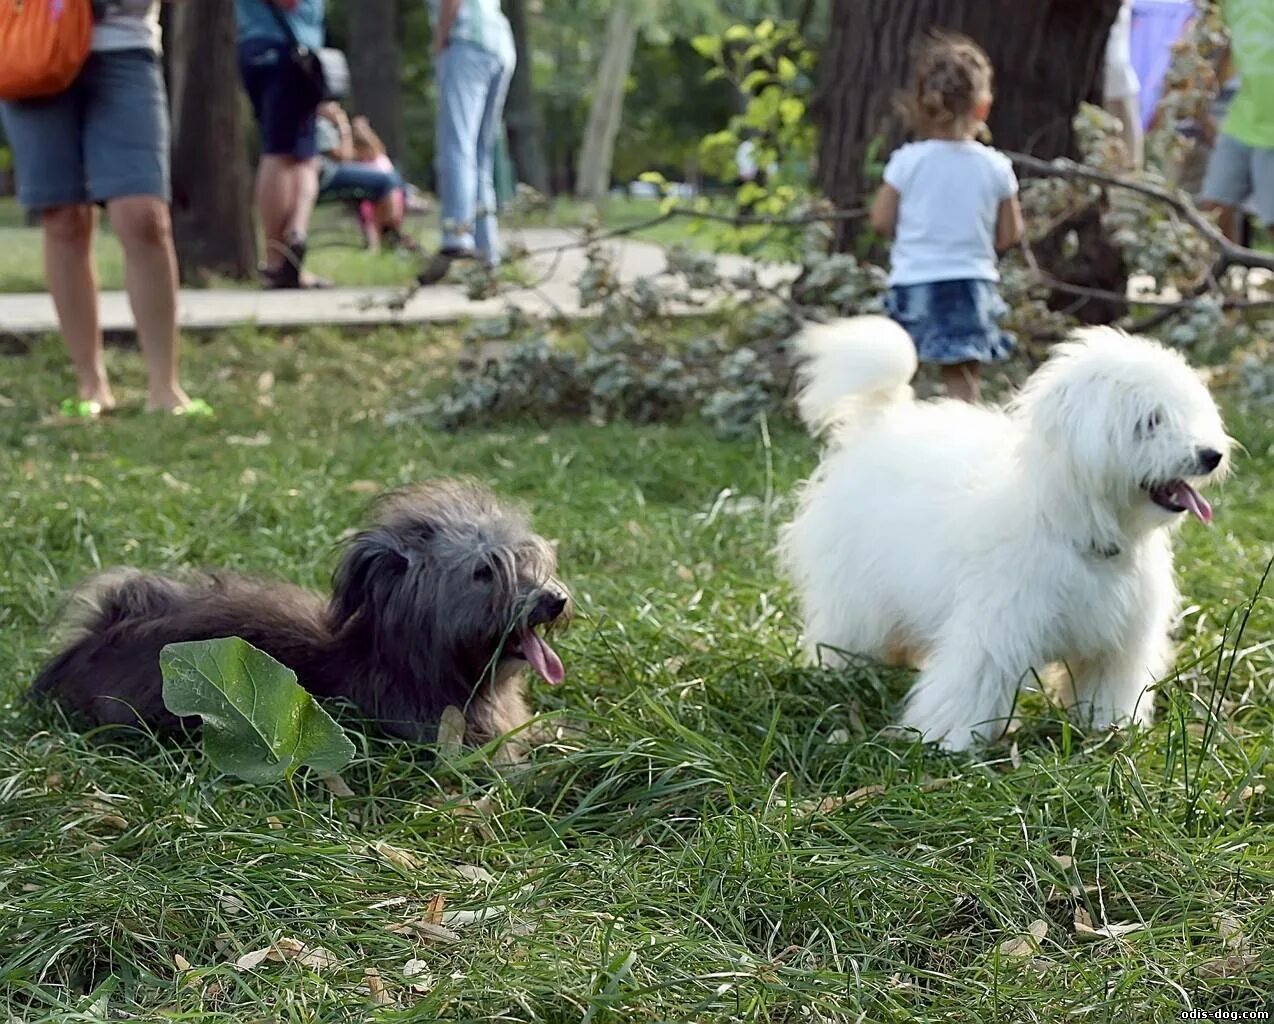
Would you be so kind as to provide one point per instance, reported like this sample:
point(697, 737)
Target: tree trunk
point(211, 207)
point(1047, 56)
point(375, 69)
point(607, 110)
point(521, 116)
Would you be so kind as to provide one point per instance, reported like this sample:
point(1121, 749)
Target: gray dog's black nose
point(552, 606)
point(1209, 459)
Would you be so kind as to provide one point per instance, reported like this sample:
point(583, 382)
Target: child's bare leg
point(962, 381)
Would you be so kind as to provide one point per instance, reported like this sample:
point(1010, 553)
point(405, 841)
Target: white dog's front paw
point(952, 736)
point(1101, 717)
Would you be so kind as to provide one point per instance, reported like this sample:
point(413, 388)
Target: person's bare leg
point(72, 282)
point(150, 275)
point(962, 381)
point(305, 196)
point(276, 202)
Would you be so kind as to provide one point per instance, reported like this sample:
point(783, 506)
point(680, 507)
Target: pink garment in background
point(367, 209)
point(1156, 26)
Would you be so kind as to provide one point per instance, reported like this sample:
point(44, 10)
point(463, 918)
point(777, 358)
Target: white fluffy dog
point(982, 545)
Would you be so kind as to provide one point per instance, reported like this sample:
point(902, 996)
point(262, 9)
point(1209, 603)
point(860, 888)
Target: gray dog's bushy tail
point(850, 367)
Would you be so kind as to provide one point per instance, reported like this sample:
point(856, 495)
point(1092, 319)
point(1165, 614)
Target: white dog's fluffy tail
point(849, 367)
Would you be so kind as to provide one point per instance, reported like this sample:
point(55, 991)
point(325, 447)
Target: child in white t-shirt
point(950, 205)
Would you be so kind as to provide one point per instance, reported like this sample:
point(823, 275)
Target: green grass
point(662, 861)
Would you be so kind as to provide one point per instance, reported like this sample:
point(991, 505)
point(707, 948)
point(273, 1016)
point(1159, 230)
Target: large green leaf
point(258, 723)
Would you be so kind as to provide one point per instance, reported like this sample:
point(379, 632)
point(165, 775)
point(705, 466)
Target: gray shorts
point(104, 138)
point(1242, 176)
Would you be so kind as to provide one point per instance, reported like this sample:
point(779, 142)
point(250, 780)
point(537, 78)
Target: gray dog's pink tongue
point(1187, 497)
point(542, 657)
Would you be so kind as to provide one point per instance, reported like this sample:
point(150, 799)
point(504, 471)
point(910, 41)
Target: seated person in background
point(369, 150)
point(342, 177)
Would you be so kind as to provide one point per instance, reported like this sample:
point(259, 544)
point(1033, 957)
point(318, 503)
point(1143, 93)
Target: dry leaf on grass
point(418, 970)
point(274, 822)
point(475, 873)
point(1015, 755)
point(433, 909)
point(460, 918)
point(424, 929)
point(1064, 861)
point(376, 988)
point(338, 786)
point(451, 730)
point(393, 901)
point(805, 808)
point(288, 949)
point(180, 962)
point(1028, 944)
point(232, 906)
point(1231, 930)
point(364, 487)
point(1085, 932)
point(396, 856)
point(1248, 793)
point(265, 382)
point(114, 822)
point(1236, 965)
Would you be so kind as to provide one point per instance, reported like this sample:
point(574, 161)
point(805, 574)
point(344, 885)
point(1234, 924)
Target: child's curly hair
point(951, 75)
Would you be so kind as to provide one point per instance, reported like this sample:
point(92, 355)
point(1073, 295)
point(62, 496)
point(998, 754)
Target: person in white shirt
point(1121, 92)
point(950, 205)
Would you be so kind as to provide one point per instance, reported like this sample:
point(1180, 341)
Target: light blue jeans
point(472, 83)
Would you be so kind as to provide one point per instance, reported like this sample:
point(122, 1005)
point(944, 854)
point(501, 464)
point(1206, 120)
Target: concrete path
point(205, 310)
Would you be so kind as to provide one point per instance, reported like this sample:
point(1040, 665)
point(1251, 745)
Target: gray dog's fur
point(431, 605)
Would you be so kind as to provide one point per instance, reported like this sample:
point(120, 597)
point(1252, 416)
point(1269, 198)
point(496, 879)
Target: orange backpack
point(43, 45)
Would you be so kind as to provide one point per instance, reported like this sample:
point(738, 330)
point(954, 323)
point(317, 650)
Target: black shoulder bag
point(319, 75)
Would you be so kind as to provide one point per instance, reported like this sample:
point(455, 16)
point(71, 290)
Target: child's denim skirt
point(952, 321)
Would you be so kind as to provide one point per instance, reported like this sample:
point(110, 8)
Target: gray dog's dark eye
point(1149, 424)
point(483, 573)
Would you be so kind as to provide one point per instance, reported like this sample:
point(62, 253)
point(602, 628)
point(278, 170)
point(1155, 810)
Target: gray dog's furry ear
point(370, 571)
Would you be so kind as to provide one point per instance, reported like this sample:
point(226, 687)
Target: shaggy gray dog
point(435, 604)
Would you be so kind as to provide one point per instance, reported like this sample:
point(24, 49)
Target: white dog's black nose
point(1209, 459)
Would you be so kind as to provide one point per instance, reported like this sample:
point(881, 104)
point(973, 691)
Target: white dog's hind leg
point(962, 697)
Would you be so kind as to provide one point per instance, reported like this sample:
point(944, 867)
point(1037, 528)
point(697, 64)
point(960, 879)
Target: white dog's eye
point(1149, 424)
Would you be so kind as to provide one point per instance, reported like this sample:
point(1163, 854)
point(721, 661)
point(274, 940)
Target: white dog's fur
point(982, 545)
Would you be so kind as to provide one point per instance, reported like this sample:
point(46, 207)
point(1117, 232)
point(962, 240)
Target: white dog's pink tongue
point(542, 657)
point(1187, 497)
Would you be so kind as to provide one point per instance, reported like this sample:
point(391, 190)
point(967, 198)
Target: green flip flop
point(80, 409)
point(196, 407)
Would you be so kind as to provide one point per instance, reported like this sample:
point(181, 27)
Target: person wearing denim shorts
point(475, 59)
point(104, 142)
point(1241, 167)
point(287, 177)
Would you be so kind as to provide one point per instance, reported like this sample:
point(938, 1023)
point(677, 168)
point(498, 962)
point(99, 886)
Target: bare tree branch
point(1232, 255)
